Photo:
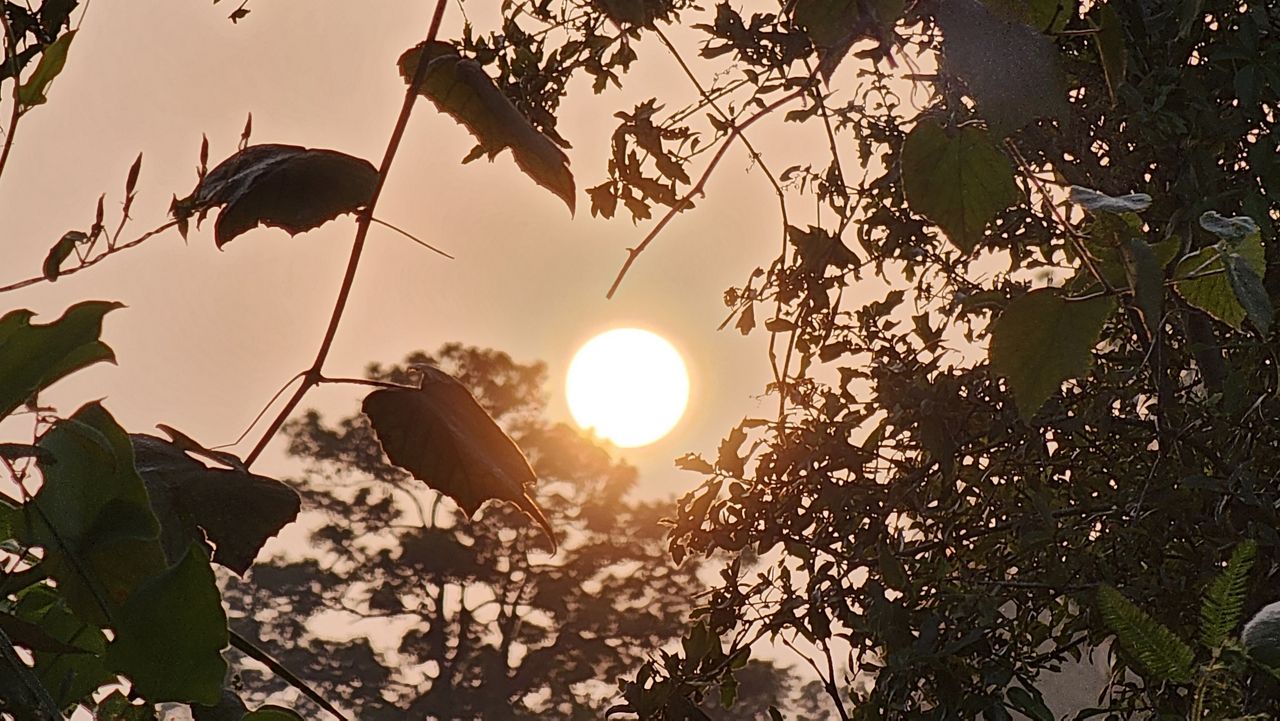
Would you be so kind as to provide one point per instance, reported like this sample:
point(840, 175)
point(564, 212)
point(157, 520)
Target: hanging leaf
point(461, 89)
point(33, 357)
point(170, 635)
point(1011, 70)
point(60, 251)
point(34, 91)
point(958, 180)
point(1041, 340)
point(235, 510)
point(442, 436)
point(1096, 202)
point(1219, 279)
point(279, 186)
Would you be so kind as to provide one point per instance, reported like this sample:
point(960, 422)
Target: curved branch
point(93, 261)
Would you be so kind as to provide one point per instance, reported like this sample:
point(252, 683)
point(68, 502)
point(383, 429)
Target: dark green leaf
point(1112, 51)
point(461, 89)
point(1224, 599)
point(170, 635)
point(280, 186)
point(1146, 278)
point(234, 509)
point(1041, 340)
point(34, 91)
point(32, 637)
point(1030, 704)
point(1250, 293)
point(442, 436)
point(229, 708)
point(273, 713)
point(60, 251)
point(1047, 16)
point(69, 676)
point(117, 707)
point(958, 180)
point(1208, 284)
point(33, 357)
point(21, 693)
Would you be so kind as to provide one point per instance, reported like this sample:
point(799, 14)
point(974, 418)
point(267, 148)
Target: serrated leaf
point(279, 186)
point(234, 509)
point(1224, 599)
point(958, 180)
point(170, 635)
point(1042, 339)
point(442, 436)
point(1098, 202)
point(1165, 656)
point(1010, 69)
point(60, 251)
point(1207, 284)
point(34, 356)
point(461, 89)
point(54, 58)
point(833, 25)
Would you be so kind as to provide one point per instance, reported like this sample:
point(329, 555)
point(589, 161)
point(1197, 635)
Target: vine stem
point(11, 50)
point(698, 188)
point(313, 375)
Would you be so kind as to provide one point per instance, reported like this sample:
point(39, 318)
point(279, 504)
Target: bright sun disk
point(629, 385)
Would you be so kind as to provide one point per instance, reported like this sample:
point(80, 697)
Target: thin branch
point(365, 382)
point(262, 412)
point(412, 237)
point(245, 646)
point(11, 50)
point(93, 261)
point(313, 374)
point(698, 188)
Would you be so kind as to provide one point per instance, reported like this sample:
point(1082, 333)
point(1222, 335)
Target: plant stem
point(11, 51)
point(313, 374)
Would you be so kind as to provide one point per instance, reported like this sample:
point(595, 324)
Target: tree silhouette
point(401, 606)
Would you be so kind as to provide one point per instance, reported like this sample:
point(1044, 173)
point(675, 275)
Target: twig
point(262, 412)
point(412, 237)
point(697, 189)
point(92, 261)
point(313, 374)
point(11, 50)
point(366, 382)
point(245, 646)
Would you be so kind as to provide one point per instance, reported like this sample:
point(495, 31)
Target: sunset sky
point(209, 336)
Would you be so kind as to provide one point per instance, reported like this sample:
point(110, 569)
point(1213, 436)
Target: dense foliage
point(1021, 326)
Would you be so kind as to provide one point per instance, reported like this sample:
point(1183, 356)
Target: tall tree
point(402, 606)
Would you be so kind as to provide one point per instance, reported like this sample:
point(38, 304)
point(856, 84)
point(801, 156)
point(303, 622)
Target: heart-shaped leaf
point(958, 179)
point(279, 186)
point(236, 510)
point(461, 89)
point(441, 435)
point(33, 356)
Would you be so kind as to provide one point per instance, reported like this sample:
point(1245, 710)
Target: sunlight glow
point(629, 385)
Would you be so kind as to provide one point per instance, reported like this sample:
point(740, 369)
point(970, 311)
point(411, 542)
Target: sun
point(629, 385)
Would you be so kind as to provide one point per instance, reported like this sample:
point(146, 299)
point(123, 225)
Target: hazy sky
point(208, 336)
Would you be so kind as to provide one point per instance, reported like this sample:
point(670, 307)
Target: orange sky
point(208, 336)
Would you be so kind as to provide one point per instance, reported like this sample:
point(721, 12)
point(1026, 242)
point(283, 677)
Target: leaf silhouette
point(462, 89)
point(237, 510)
point(441, 435)
point(279, 186)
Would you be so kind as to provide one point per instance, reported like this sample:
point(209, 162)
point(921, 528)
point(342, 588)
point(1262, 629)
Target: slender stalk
point(11, 50)
point(94, 260)
point(313, 374)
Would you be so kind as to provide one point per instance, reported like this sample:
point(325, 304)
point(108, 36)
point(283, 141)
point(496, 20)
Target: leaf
point(1224, 599)
point(117, 707)
point(229, 708)
point(958, 180)
point(1146, 277)
point(21, 693)
point(1165, 656)
point(461, 89)
point(271, 712)
point(1097, 202)
point(442, 436)
point(279, 186)
point(60, 251)
point(729, 458)
point(170, 635)
point(1010, 69)
point(33, 357)
point(1113, 53)
point(833, 25)
point(52, 61)
point(1041, 340)
point(1207, 282)
point(236, 510)
point(92, 515)
point(32, 637)
point(69, 676)
point(1031, 704)
point(1251, 294)
point(1047, 16)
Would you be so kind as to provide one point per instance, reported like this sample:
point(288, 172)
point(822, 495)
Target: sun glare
point(629, 385)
